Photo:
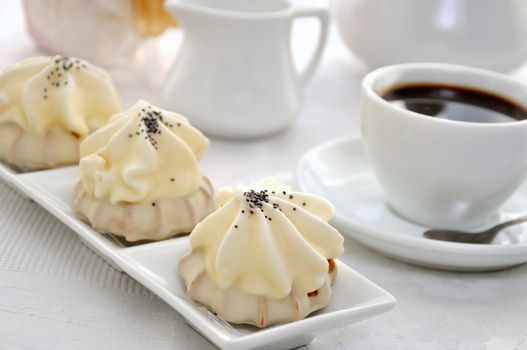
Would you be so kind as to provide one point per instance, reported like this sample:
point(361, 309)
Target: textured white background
point(56, 294)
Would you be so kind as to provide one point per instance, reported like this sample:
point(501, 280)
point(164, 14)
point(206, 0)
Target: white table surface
point(57, 294)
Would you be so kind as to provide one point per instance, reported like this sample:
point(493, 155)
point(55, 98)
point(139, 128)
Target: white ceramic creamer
point(234, 75)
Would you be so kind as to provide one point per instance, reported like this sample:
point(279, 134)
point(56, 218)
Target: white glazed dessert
point(140, 177)
point(265, 256)
point(48, 105)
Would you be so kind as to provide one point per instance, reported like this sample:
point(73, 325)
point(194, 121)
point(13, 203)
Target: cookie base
point(158, 220)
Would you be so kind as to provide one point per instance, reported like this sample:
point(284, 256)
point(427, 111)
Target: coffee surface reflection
point(456, 103)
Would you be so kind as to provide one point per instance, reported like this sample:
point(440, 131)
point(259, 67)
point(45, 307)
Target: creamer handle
point(322, 15)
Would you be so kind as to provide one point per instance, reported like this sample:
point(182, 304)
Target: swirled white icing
point(266, 240)
point(142, 155)
point(42, 92)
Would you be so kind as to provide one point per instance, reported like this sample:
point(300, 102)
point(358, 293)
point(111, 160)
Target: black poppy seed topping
point(304, 204)
point(172, 179)
point(150, 125)
point(256, 199)
point(153, 204)
point(61, 65)
point(235, 226)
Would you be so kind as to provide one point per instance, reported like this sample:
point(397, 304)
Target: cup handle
point(322, 15)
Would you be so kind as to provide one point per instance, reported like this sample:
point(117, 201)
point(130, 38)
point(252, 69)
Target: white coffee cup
point(438, 172)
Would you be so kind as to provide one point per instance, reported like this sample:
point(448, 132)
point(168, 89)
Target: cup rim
point(371, 77)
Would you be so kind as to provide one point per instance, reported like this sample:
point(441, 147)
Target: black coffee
point(456, 103)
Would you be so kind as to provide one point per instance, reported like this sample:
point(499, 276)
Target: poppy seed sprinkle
point(150, 124)
point(256, 199)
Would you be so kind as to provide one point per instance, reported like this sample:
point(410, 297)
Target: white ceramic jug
point(234, 75)
point(490, 34)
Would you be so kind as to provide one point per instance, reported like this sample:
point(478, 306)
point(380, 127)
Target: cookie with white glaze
point(48, 105)
point(140, 176)
point(265, 256)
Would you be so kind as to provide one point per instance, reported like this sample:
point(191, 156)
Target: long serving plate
point(154, 265)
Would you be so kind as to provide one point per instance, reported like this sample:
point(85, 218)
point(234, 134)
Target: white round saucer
point(339, 171)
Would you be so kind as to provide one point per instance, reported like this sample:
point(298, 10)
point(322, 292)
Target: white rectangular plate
point(155, 265)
